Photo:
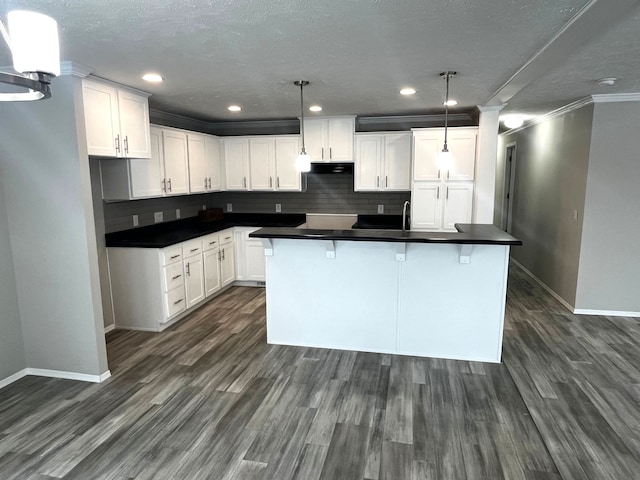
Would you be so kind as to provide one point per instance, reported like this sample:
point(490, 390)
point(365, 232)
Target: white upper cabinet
point(383, 161)
point(287, 176)
point(116, 121)
point(427, 145)
point(176, 166)
point(212, 163)
point(147, 174)
point(198, 178)
point(236, 161)
point(262, 161)
point(329, 139)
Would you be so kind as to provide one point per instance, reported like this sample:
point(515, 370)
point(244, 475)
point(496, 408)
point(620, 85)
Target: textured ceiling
point(357, 54)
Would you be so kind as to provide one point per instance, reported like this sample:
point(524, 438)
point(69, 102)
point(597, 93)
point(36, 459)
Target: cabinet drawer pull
point(212, 243)
point(178, 301)
point(176, 277)
point(227, 238)
point(173, 257)
point(194, 250)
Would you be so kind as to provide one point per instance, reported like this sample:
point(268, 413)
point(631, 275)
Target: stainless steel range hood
point(326, 168)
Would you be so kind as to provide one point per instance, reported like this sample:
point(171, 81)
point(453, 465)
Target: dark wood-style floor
point(209, 399)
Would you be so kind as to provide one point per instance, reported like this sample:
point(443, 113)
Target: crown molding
point(490, 108)
point(166, 119)
point(616, 97)
point(75, 69)
point(583, 102)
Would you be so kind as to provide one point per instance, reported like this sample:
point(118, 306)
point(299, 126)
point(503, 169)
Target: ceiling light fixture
point(152, 77)
point(444, 158)
point(450, 103)
point(303, 160)
point(513, 121)
point(607, 82)
point(33, 41)
point(407, 91)
point(315, 108)
point(234, 108)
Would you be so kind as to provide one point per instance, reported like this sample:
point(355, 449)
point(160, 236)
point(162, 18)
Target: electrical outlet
point(229, 207)
point(278, 207)
point(380, 208)
point(575, 215)
point(177, 213)
point(135, 221)
point(204, 207)
point(157, 217)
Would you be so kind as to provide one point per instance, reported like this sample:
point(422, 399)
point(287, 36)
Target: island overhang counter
point(431, 294)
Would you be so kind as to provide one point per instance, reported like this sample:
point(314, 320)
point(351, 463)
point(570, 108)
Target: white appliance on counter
point(331, 221)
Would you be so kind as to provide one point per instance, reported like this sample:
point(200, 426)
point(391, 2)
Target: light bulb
point(34, 42)
point(444, 160)
point(303, 162)
point(515, 121)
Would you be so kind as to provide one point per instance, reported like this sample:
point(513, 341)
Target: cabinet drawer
point(173, 276)
point(226, 237)
point(175, 302)
point(191, 247)
point(209, 242)
point(172, 255)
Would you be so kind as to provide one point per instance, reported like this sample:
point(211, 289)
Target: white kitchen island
point(410, 293)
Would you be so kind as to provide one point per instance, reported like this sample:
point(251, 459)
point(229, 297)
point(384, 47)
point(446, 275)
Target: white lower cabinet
point(438, 207)
point(249, 256)
point(212, 277)
point(194, 280)
point(227, 257)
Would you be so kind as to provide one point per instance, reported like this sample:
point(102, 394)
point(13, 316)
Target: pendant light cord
point(302, 115)
point(446, 113)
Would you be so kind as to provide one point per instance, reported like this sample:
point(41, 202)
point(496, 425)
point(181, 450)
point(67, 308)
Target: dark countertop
point(477, 234)
point(377, 222)
point(165, 234)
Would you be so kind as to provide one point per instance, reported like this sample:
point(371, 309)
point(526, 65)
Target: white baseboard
point(41, 372)
point(566, 304)
point(13, 378)
point(109, 328)
point(607, 313)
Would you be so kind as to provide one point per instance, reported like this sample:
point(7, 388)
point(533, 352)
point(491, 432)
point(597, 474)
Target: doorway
point(509, 183)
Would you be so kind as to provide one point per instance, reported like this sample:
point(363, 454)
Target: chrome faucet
point(404, 215)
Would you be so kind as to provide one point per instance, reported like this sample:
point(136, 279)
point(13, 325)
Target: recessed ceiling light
point(152, 77)
point(234, 108)
point(315, 108)
point(450, 102)
point(607, 82)
point(408, 91)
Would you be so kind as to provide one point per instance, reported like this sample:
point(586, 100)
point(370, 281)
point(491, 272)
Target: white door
point(315, 137)
point(101, 119)
point(397, 162)
point(255, 266)
point(462, 145)
point(134, 125)
point(287, 176)
point(236, 160)
point(198, 178)
point(147, 174)
point(426, 208)
point(212, 162)
point(193, 280)
point(176, 168)
point(212, 280)
point(340, 138)
point(458, 202)
point(367, 162)
point(426, 147)
point(262, 163)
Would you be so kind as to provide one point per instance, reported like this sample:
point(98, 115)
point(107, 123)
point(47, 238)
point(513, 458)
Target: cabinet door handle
point(386, 181)
point(188, 270)
point(170, 189)
point(270, 182)
point(447, 195)
point(164, 185)
point(322, 153)
point(176, 277)
point(219, 256)
point(438, 174)
point(209, 183)
point(126, 144)
point(448, 174)
point(205, 183)
point(174, 257)
point(117, 142)
point(277, 182)
point(377, 182)
point(330, 153)
point(178, 301)
point(438, 193)
point(244, 182)
point(223, 254)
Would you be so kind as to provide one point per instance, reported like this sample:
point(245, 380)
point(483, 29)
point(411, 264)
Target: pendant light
point(33, 41)
point(444, 158)
point(303, 161)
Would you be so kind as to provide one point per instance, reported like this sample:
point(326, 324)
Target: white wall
point(12, 357)
point(609, 275)
point(51, 227)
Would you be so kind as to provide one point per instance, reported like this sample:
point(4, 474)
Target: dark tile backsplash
point(332, 193)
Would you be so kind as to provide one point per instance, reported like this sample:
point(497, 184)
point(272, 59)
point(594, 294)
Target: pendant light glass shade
point(445, 157)
point(303, 160)
point(33, 41)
